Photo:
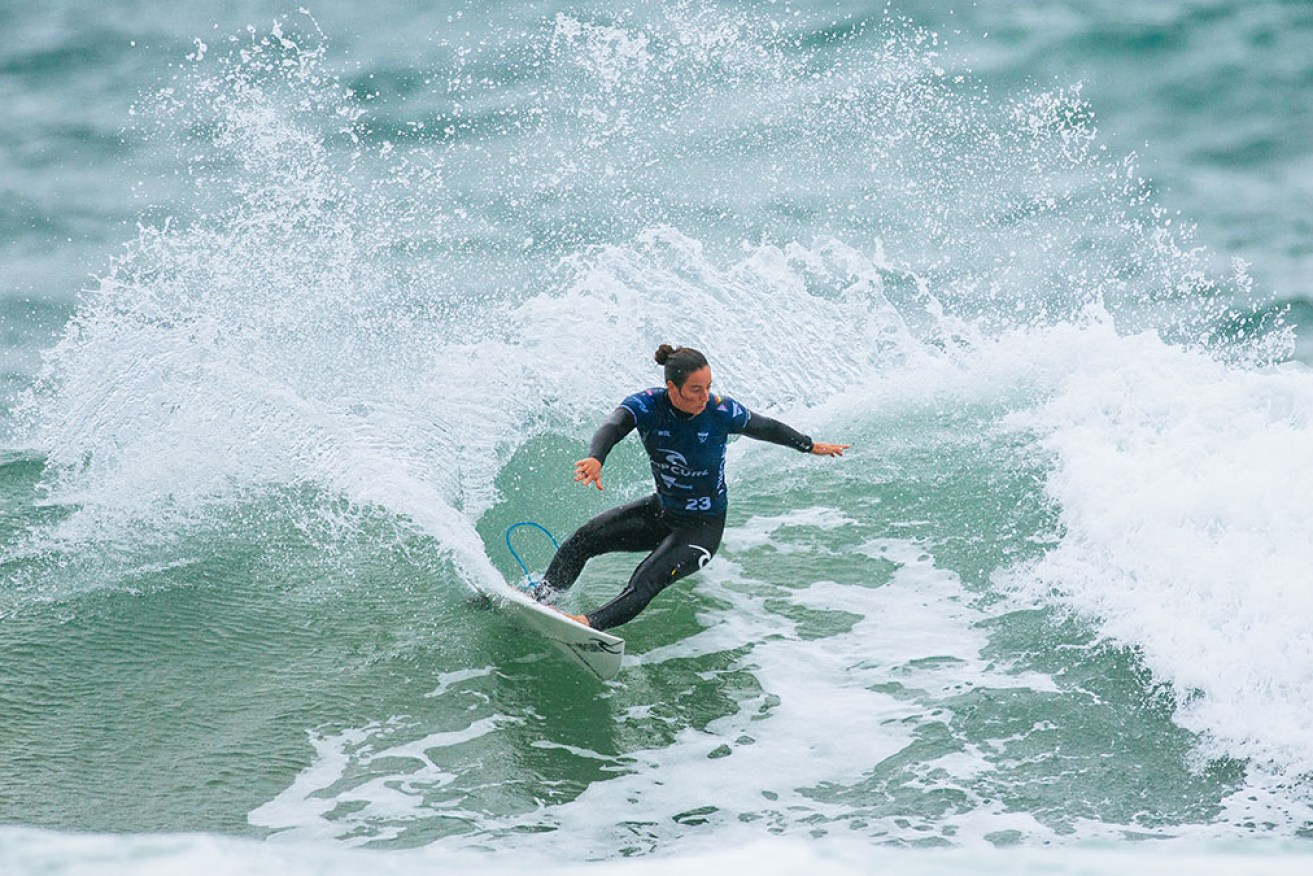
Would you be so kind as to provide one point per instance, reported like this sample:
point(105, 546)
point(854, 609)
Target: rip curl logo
point(702, 437)
point(676, 463)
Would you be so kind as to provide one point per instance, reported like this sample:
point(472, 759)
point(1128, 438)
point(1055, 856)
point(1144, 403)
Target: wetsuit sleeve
point(617, 426)
point(765, 429)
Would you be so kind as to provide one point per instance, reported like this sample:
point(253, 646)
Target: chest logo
point(675, 459)
point(672, 462)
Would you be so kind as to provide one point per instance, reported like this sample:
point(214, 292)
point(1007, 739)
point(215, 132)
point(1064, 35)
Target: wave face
point(379, 292)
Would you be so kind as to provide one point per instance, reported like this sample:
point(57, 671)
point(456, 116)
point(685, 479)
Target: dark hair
point(679, 362)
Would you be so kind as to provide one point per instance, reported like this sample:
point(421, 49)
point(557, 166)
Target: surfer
point(684, 428)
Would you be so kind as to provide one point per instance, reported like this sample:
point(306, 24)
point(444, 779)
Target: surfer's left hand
point(820, 448)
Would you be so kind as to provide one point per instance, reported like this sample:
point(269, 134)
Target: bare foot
point(577, 618)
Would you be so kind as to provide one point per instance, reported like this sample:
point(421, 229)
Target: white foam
point(304, 812)
point(28, 850)
point(1179, 482)
point(449, 680)
point(1182, 486)
point(830, 711)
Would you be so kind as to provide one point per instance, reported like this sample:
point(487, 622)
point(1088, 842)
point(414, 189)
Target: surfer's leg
point(633, 527)
point(684, 551)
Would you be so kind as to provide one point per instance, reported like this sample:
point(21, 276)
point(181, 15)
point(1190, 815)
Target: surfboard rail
point(598, 651)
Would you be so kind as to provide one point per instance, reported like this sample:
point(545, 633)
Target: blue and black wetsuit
point(682, 523)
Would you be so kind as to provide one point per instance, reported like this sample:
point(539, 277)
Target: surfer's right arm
point(589, 469)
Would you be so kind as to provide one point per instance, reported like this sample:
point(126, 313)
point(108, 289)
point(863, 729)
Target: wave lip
point(1182, 486)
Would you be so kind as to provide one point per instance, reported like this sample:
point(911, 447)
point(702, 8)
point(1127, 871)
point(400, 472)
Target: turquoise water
point(301, 309)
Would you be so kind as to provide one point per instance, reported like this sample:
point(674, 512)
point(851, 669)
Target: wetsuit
point(682, 523)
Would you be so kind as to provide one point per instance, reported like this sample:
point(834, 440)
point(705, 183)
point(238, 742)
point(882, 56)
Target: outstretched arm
point(589, 469)
point(764, 428)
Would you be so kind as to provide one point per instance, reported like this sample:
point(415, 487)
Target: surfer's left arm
point(764, 428)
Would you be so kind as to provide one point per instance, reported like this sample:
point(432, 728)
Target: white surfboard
point(600, 652)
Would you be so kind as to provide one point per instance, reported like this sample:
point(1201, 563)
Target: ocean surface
point(301, 307)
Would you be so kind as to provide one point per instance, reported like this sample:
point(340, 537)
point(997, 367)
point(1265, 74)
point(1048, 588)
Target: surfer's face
point(692, 397)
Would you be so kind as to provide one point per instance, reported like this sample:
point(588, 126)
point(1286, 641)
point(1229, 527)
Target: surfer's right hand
point(589, 471)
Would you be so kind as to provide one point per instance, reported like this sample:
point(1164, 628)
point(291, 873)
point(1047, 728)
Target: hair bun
point(663, 353)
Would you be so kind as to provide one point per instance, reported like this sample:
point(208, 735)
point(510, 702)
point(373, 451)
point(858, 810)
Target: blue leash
point(510, 547)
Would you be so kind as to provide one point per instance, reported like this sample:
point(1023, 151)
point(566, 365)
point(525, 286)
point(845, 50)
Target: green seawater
point(177, 687)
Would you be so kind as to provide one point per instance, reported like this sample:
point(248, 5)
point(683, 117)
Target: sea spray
point(320, 271)
point(386, 315)
point(262, 342)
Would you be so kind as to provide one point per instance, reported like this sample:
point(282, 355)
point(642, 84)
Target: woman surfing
point(685, 428)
